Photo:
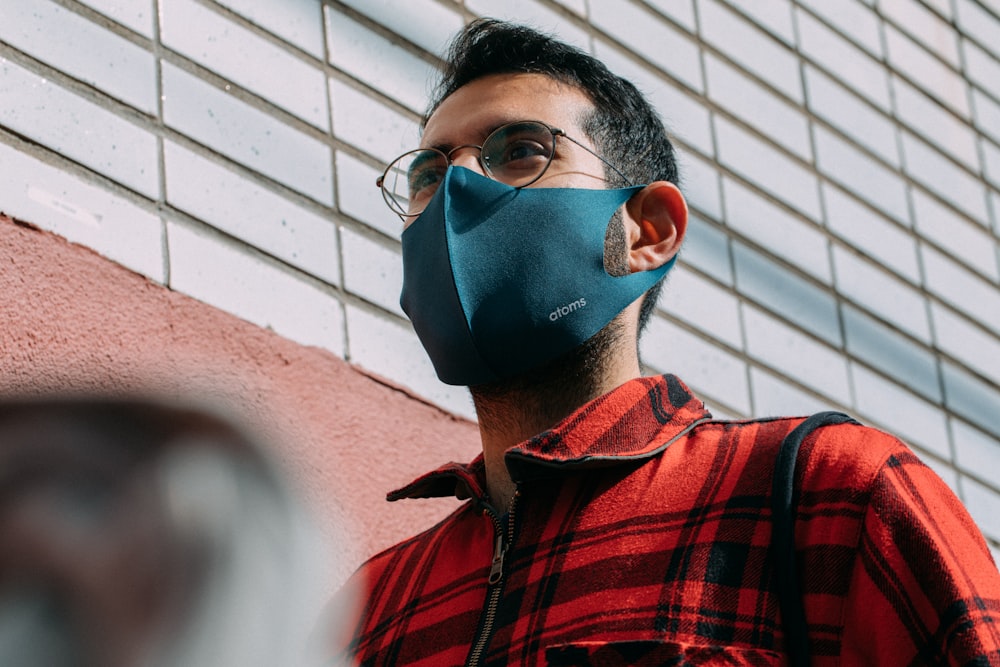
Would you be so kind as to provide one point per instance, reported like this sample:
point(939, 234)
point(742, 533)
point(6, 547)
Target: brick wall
point(842, 161)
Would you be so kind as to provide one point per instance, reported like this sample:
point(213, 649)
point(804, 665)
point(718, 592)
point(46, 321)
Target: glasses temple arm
point(559, 133)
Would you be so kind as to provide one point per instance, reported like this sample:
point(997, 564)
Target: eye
point(424, 174)
point(518, 153)
point(524, 153)
point(427, 177)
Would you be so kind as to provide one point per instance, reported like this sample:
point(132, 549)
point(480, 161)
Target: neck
point(515, 410)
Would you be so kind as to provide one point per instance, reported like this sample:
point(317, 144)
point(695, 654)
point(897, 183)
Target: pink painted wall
point(72, 321)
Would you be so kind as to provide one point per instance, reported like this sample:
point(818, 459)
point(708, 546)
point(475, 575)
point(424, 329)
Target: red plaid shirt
point(640, 535)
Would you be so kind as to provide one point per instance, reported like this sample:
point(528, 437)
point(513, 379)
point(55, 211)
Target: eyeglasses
point(517, 154)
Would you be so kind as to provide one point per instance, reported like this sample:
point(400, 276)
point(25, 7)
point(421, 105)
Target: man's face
point(467, 116)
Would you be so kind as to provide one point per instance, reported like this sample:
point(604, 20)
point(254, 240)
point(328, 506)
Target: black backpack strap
point(784, 501)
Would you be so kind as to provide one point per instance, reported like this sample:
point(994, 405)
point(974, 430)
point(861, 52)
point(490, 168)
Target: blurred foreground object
point(133, 533)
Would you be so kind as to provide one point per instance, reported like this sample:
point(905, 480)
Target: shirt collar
point(633, 422)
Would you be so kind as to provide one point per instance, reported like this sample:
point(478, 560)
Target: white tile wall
point(134, 14)
point(718, 374)
point(707, 248)
point(991, 161)
point(782, 122)
point(372, 127)
point(71, 125)
point(773, 395)
point(686, 119)
point(577, 6)
point(942, 7)
point(768, 167)
point(426, 23)
point(629, 23)
point(961, 288)
point(84, 50)
point(971, 398)
point(234, 279)
point(719, 412)
point(894, 300)
point(700, 183)
point(794, 240)
point(56, 200)
point(358, 196)
point(975, 451)
point(298, 22)
point(372, 270)
point(247, 135)
point(703, 304)
point(842, 58)
point(966, 241)
point(841, 159)
point(378, 62)
point(850, 167)
point(965, 341)
point(211, 192)
point(933, 76)
point(852, 115)
point(986, 111)
point(880, 347)
point(238, 54)
point(892, 245)
point(681, 11)
point(787, 351)
point(534, 14)
point(984, 506)
point(936, 124)
point(804, 303)
point(943, 177)
point(746, 44)
point(981, 68)
point(775, 17)
point(888, 405)
point(852, 19)
point(392, 349)
point(994, 6)
point(979, 24)
point(924, 26)
point(995, 207)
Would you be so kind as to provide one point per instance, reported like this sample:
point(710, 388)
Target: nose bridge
point(468, 156)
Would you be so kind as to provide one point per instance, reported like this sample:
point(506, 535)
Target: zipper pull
point(496, 567)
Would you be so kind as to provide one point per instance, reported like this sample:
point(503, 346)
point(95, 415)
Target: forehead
point(478, 107)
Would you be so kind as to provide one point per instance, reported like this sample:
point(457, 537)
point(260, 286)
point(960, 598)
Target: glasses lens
point(517, 154)
point(410, 182)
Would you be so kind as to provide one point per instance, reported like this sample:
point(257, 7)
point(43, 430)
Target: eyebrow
point(445, 147)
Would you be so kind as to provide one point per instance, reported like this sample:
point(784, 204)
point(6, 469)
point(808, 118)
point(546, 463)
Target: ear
point(655, 221)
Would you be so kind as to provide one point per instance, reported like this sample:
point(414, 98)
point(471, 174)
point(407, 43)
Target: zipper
point(494, 582)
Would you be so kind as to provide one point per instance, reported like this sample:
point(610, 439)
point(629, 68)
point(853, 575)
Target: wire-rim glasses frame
point(517, 154)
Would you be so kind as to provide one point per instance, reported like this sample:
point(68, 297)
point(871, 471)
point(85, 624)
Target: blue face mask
point(497, 281)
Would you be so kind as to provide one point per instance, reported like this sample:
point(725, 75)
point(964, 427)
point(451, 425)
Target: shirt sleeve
point(924, 588)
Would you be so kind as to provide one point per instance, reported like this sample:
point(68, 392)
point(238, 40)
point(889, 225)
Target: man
point(610, 519)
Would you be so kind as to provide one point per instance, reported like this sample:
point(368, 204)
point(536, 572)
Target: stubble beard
point(546, 394)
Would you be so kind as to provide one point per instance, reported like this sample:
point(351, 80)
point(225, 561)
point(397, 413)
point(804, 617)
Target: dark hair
point(624, 127)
